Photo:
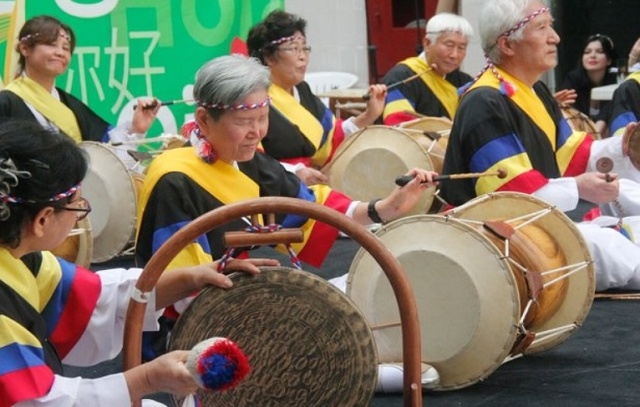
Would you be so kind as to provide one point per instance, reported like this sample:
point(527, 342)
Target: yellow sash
point(297, 114)
point(526, 99)
point(54, 110)
point(634, 76)
point(446, 93)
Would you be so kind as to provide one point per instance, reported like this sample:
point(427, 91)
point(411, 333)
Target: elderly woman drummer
point(225, 166)
point(303, 133)
point(54, 312)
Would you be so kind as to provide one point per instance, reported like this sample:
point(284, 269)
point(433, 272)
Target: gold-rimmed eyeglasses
point(296, 50)
point(82, 207)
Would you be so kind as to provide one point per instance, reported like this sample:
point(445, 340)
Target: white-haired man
point(509, 119)
point(434, 92)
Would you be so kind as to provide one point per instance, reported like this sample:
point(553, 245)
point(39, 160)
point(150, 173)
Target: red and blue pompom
point(218, 364)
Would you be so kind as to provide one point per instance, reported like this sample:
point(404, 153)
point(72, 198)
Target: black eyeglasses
point(83, 208)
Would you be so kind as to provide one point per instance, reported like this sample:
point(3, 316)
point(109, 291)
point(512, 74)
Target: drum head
point(366, 165)
point(78, 246)
point(307, 343)
point(111, 192)
point(433, 134)
point(457, 276)
point(568, 241)
point(580, 121)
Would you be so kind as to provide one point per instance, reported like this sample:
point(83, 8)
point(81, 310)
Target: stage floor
point(596, 366)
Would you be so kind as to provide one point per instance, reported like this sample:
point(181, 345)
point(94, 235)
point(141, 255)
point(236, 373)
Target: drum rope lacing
point(273, 227)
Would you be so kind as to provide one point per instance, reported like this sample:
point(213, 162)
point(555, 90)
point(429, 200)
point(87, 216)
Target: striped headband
point(61, 33)
point(523, 22)
point(223, 106)
point(13, 199)
point(286, 39)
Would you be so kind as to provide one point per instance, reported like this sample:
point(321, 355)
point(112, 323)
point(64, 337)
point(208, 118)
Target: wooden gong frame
point(392, 268)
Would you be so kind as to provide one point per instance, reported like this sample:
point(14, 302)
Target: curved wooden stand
point(389, 264)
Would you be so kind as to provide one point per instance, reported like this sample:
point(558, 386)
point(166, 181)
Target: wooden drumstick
point(393, 85)
point(500, 173)
point(164, 103)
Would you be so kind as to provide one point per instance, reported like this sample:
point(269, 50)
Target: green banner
point(132, 48)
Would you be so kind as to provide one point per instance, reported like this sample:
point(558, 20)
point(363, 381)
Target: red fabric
point(79, 306)
point(25, 384)
point(580, 159)
point(322, 235)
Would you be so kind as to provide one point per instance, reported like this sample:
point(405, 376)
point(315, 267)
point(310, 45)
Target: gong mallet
point(500, 173)
point(367, 96)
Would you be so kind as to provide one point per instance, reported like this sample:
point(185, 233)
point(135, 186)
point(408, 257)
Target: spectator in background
point(46, 45)
point(593, 70)
point(434, 92)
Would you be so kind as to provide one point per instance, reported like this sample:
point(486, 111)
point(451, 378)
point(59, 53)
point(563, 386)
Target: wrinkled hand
point(208, 274)
point(311, 176)
point(598, 188)
point(404, 198)
point(171, 375)
point(375, 105)
point(167, 373)
point(566, 97)
point(144, 114)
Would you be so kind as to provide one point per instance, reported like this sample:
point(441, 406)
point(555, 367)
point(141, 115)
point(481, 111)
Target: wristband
point(373, 214)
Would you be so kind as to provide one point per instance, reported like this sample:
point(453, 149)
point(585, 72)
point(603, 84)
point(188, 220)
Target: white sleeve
point(293, 168)
point(628, 199)
point(103, 338)
point(106, 391)
point(349, 127)
point(560, 192)
point(120, 134)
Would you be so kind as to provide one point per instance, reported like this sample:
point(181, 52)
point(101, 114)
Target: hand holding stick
point(500, 173)
point(395, 84)
point(165, 103)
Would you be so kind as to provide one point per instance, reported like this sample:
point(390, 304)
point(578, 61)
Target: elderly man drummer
point(436, 70)
point(508, 118)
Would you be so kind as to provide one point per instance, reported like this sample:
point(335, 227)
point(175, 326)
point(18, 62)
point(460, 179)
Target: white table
point(603, 92)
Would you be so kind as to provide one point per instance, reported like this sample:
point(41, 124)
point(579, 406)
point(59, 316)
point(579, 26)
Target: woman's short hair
point(227, 81)
point(42, 30)
point(36, 166)
point(262, 40)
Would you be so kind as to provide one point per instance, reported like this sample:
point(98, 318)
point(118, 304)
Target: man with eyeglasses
point(436, 73)
point(303, 133)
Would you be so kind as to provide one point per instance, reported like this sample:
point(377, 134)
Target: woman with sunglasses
point(593, 70)
point(54, 312)
point(303, 133)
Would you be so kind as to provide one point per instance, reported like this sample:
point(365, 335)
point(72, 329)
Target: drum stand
point(400, 284)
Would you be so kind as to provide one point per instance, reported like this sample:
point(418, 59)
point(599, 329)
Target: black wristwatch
point(371, 211)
